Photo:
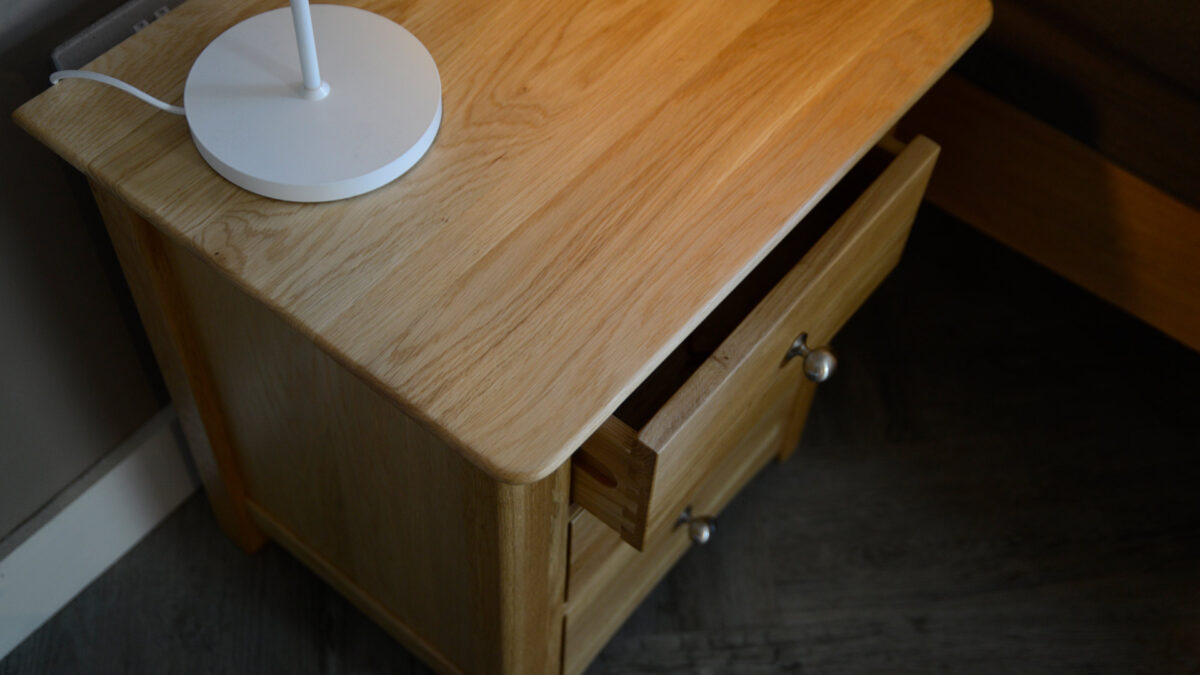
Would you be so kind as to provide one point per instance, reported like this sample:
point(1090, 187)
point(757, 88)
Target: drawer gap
point(680, 364)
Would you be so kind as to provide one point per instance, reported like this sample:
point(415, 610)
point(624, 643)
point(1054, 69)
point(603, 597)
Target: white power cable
point(114, 82)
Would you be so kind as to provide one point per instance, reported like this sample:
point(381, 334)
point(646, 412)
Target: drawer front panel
point(607, 579)
point(638, 481)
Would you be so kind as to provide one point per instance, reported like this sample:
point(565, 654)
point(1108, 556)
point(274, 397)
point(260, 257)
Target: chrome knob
point(700, 528)
point(819, 363)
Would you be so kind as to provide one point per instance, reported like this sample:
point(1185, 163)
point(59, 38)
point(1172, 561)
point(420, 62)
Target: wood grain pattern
point(168, 322)
point(582, 209)
point(1066, 206)
point(411, 531)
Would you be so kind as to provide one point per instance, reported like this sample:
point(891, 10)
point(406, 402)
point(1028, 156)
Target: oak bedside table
point(494, 401)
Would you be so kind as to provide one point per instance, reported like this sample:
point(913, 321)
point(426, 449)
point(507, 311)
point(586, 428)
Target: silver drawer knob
point(700, 528)
point(819, 363)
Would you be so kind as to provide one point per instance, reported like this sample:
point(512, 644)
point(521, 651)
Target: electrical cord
point(114, 82)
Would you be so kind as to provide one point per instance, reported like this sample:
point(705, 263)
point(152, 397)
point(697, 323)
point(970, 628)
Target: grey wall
point(74, 374)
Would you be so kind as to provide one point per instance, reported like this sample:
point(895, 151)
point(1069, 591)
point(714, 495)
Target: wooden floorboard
point(1000, 478)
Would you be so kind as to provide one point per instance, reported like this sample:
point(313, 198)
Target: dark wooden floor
point(1000, 478)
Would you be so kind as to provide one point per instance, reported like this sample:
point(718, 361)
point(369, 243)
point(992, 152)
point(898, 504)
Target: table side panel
point(169, 326)
point(474, 567)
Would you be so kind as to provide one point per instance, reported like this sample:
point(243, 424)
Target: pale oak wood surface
point(583, 207)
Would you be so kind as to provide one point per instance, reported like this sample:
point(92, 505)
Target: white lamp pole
point(314, 88)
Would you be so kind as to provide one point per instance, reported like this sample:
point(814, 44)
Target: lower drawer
point(607, 579)
point(636, 473)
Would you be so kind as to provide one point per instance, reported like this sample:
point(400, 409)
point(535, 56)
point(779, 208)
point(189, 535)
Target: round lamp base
point(256, 125)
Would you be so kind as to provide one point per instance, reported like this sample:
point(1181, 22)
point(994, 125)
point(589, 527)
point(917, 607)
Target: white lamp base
point(253, 123)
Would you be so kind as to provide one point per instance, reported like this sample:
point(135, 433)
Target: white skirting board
point(90, 525)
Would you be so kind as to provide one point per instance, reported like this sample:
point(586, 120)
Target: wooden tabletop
point(606, 172)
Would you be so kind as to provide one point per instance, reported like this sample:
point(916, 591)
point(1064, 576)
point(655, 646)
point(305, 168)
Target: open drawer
point(637, 472)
